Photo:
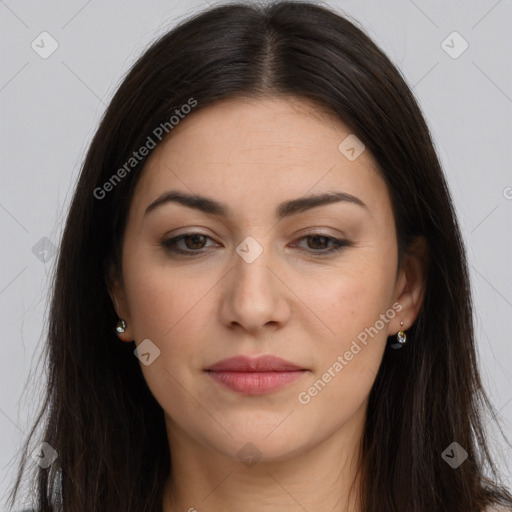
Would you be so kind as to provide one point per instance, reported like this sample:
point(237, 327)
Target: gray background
point(50, 109)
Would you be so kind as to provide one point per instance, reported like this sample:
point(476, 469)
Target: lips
point(254, 376)
point(254, 364)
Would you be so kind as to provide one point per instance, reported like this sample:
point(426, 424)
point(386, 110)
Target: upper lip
point(265, 363)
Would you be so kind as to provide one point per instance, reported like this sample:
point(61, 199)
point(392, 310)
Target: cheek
point(356, 308)
point(348, 361)
point(173, 310)
point(168, 309)
point(355, 298)
point(161, 300)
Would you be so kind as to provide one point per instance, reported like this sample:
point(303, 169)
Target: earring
point(121, 326)
point(401, 339)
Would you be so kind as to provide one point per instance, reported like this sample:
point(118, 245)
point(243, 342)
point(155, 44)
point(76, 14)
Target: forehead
point(254, 151)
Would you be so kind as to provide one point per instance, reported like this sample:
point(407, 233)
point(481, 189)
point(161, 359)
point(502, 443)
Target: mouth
point(255, 375)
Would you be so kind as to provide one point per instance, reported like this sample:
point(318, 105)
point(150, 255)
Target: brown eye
point(194, 243)
point(318, 243)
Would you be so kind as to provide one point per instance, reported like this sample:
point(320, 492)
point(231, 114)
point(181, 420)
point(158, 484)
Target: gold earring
point(401, 339)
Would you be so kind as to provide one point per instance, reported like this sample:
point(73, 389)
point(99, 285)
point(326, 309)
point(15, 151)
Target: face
point(250, 275)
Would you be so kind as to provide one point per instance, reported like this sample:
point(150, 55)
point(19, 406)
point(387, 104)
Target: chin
point(262, 445)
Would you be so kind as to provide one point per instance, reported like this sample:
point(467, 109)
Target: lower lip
point(255, 383)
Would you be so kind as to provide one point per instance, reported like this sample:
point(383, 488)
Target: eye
point(195, 244)
point(320, 241)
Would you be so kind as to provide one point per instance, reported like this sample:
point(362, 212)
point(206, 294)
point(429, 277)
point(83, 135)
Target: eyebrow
point(285, 209)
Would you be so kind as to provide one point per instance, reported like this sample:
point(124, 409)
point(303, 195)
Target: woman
point(263, 223)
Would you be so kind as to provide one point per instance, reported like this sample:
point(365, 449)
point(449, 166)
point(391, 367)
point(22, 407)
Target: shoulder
point(498, 508)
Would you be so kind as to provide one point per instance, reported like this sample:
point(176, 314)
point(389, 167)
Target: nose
point(255, 294)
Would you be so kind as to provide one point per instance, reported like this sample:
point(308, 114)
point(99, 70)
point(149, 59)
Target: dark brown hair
point(99, 414)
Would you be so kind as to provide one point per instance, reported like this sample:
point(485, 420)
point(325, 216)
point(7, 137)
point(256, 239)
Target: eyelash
point(339, 244)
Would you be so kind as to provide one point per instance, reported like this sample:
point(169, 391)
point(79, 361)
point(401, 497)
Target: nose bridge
point(251, 267)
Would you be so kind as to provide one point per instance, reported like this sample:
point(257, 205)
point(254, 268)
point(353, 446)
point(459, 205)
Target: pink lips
point(254, 375)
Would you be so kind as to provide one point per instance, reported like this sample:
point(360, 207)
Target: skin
point(290, 302)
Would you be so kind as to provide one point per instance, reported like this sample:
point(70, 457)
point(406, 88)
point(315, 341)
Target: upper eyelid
point(200, 233)
point(319, 231)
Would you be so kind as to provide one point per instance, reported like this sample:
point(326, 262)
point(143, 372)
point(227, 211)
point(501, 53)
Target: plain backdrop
point(50, 108)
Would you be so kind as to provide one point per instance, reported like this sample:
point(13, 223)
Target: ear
point(116, 291)
point(410, 285)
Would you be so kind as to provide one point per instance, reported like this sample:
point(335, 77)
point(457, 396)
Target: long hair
point(98, 412)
